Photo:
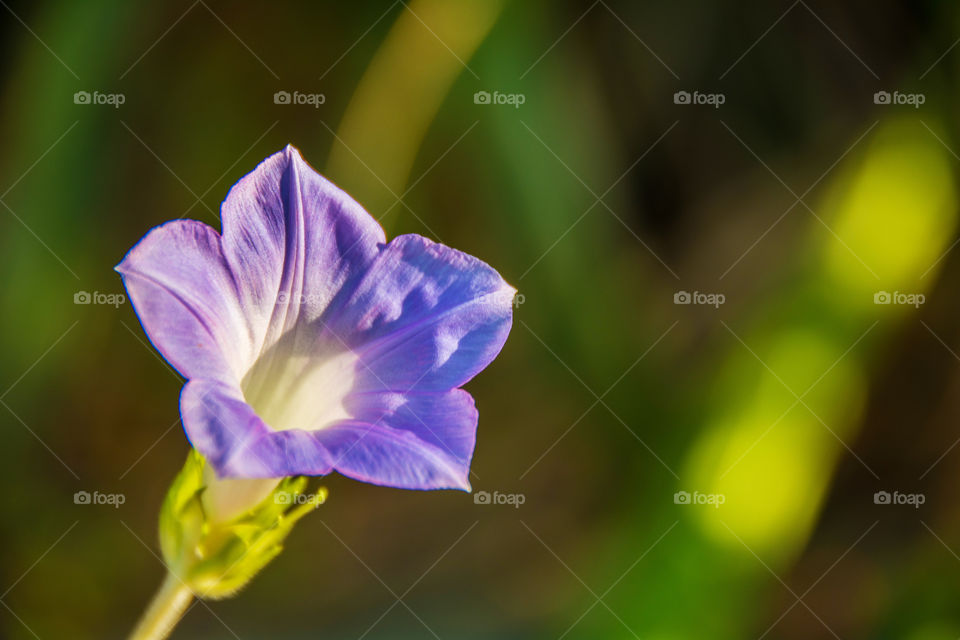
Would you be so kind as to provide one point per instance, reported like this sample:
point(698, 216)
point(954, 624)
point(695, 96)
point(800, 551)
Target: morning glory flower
point(310, 344)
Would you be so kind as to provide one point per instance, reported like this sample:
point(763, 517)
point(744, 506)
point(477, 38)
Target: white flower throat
point(291, 390)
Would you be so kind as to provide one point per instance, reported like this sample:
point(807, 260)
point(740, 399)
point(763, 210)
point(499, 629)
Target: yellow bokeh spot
point(771, 458)
point(893, 213)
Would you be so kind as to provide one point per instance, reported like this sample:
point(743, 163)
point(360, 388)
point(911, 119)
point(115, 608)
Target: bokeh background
point(604, 197)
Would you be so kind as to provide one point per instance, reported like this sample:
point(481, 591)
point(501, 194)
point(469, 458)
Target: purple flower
point(310, 344)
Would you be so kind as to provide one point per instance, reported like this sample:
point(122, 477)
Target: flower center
point(291, 390)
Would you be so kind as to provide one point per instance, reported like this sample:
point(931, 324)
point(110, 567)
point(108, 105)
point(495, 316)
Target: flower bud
point(216, 534)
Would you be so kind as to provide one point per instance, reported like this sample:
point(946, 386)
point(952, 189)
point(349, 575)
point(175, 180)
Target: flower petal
point(425, 317)
point(186, 298)
point(229, 433)
point(418, 441)
point(415, 441)
point(445, 421)
point(391, 458)
point(294, 240)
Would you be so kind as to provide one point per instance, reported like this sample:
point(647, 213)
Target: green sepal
point(217, 559)
point(181, 516)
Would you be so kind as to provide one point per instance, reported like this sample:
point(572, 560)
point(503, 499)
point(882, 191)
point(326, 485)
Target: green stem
point(165, 610)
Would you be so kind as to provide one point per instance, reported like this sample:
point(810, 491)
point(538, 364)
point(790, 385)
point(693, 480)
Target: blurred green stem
point(413, 71)
point(165, 610)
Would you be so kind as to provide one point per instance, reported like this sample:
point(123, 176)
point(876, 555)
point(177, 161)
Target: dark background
point(600, 198)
